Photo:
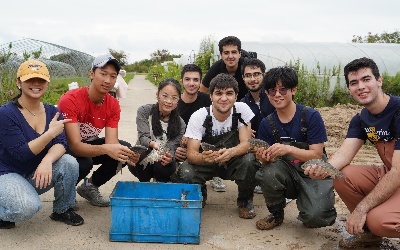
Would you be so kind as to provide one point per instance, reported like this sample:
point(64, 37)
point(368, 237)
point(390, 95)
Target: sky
point(141, 27)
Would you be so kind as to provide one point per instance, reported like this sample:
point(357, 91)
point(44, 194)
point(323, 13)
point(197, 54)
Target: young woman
point(160, 126)
point(32, 147)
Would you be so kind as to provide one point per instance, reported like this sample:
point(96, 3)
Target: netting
point(317, 56)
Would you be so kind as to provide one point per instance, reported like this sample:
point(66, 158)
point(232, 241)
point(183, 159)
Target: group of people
point(42, 146)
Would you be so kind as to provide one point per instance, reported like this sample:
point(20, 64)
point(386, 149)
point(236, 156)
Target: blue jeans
point(19, 199)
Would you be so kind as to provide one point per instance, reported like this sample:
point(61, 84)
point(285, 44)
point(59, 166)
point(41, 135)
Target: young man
point(371, 193)
point(191, 101)
point(296, 134)
point(226, 125)
point(230, 63)
point(91, 109)
point(253, 71)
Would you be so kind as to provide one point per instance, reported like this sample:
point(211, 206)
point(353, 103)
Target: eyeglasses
point(282, 91)
point(255, 75)
point(166, 98)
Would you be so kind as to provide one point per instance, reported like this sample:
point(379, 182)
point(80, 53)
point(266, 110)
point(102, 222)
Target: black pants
point(107, 169)
point(156, 170)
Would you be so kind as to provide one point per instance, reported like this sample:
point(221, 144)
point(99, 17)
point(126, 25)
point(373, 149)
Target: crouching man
point(226, 125)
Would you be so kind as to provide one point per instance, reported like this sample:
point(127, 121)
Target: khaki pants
point(359, 181)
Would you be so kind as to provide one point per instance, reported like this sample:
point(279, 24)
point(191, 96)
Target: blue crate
point(156, 212)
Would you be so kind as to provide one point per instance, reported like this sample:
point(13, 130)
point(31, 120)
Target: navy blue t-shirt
point(377, 127)
point(291, 131)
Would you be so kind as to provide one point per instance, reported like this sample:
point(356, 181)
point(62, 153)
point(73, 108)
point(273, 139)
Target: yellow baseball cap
point(33, 68)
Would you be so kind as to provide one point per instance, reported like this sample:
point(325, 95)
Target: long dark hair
point(14, 100)
point(174, 123)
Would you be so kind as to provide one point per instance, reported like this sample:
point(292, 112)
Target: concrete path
point(221, 228)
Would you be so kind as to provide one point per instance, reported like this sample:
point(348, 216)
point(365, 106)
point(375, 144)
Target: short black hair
point(224, 81)
point(253, 62)
point(287, 75)
point(191, 68)
point(229, 40)
point(361, 63)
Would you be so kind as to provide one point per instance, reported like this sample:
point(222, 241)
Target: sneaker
point(258, 190)
point(69, 217)
point(288, 200)
point(92, 194)
point(217, 184)
point(6, 224)
point(269, 222)
point(367, 239)
point(246, 209)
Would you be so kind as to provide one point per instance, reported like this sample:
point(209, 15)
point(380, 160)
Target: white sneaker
point(288, 200)
point(258, 190)
point(217, 184)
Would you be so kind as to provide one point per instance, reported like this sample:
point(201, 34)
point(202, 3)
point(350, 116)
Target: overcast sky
point(141, 27)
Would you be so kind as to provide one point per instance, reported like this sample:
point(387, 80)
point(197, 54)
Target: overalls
point(284, 178)
point(241, 169)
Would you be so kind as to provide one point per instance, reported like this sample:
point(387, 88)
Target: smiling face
point(223, 100)
point(191, 82)
point(168, 98)
point(33, 87)
point(280, 96)
point(104, 79)
point(230, 55)
point(253, 77)
point(363, 86)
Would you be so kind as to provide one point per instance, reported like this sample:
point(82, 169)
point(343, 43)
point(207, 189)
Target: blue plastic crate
point(156, 212)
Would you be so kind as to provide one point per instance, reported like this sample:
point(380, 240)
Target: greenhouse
point(319, 56)
point(61, 61)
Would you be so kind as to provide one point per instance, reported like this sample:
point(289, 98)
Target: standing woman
point(160, 125)
point(32, 147)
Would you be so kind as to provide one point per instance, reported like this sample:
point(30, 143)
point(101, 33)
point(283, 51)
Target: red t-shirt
point(76, 105)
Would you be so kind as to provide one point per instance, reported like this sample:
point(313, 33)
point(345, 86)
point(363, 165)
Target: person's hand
point(355, 222)
point(262, 155)
point(154, 145)
point(56, 126)
point(277, 150)
point(209, 156)
point(225, 155)
point(316, 172)
point(43, 174)
point(119, 152)
point(180, 153)
point(166, 159)
point(253, 133)
point(132, 160)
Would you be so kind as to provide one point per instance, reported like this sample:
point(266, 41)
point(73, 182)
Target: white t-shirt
point(195, 129)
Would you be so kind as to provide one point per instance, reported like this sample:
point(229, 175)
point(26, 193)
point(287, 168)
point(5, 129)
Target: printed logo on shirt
point(380, 135)
point(88, 131)
point(221, 131)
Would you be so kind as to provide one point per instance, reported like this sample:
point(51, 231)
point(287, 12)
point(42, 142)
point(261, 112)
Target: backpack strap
point(208, 123)
point(274, 130)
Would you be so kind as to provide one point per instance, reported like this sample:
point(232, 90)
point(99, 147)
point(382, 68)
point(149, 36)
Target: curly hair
point(361, 63)
point(253, 62)
point(229, 40)
point(191, 68)
point(287, 75)
point(224, 81)
point(174, 124)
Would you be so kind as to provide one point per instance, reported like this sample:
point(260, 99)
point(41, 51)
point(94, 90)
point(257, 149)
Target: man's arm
point(345, 154)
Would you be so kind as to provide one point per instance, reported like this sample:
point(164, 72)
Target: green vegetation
point(385, 37)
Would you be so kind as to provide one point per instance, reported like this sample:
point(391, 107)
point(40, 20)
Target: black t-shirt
point(220, 67)
point(187, 109)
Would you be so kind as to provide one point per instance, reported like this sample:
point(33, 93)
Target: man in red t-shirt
point(91, 109)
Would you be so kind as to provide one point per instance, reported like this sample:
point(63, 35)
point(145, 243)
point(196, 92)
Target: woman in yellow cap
point(32, 153)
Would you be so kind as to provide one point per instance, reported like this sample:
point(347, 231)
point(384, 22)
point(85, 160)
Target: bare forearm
point(82, 149)
point(37, 145)
point(54, 153)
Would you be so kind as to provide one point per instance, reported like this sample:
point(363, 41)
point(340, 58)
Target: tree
point(206, 53)
point(385, 37)
point(163, 55)
point(121, 56)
